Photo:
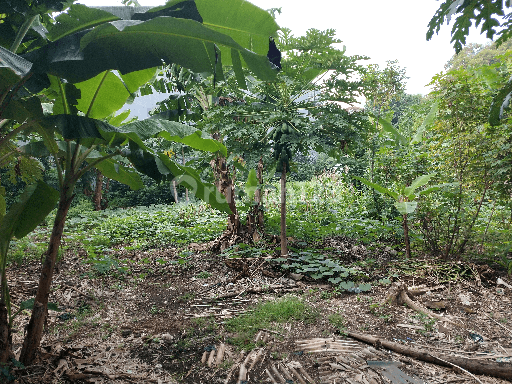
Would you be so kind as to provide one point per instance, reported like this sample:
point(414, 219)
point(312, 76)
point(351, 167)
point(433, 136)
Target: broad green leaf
point(251, 184)
point(15, 63)
point(406, 207)
point(418, 136)
point(500, 103)
point(237, 67)
point(113, 169)
point(377, 187)
point(34, 204)
point(80, 127)
point(347, 285)
point(23, 109)
point(7, 78)
point(247, 24)
point(388, 127)
point(172, 131)
point(135, 80)
point(365, 287)
point(436, 187)
point(118, 120)
point(129, 46)
point(77, 18)
point(66, 96)
point(418, 182)
point(102, 95)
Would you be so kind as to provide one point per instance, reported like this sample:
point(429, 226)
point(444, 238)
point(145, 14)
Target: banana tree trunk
point(98, 191)
point(284, 242)
point(226, 186)
point(37, 320)
point(5, 329)
point(5, 333)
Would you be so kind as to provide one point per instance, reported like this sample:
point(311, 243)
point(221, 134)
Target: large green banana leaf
point(128, 45)
point(106, 93)
point(82, 128)
point(32, 207)
point(247, 24)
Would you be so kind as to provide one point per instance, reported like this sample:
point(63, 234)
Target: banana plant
point(75, 68)
point(405, 198)
point(33, 206)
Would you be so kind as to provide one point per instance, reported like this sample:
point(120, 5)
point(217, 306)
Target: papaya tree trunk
point(284, 242)
point(406, 237)
point(98, 191)
point(37, 320)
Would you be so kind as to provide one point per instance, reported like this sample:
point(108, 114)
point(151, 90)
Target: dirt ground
point(158, 317)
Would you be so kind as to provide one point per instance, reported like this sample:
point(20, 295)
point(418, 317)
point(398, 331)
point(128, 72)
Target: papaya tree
point(296, 109)
point(75, 69)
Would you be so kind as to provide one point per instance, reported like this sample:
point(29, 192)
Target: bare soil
point(161, 320)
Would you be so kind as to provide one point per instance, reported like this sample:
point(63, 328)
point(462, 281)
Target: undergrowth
point(266, 316)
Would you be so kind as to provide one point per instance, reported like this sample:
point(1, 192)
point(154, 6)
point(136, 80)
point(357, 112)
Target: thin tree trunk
point(104, 198)
point(98, 191)
point(5, 329)
point(406, 237)
point(468, 230)
point(5, 334)
point(258, 196)
point(35, 326)
point(183, 156)
point(284, 241)
point(175, 191)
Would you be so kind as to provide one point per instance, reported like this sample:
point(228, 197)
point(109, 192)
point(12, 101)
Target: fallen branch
point(462, 369)
point(254, 290)
point(403, 292)
point(494, 369)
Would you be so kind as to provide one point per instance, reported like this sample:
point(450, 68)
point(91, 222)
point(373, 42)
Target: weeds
point(286, 309)
point(337, 321)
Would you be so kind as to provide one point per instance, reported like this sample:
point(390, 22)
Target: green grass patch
point(267, 315)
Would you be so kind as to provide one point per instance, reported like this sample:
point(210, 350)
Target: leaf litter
point(159, 316)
